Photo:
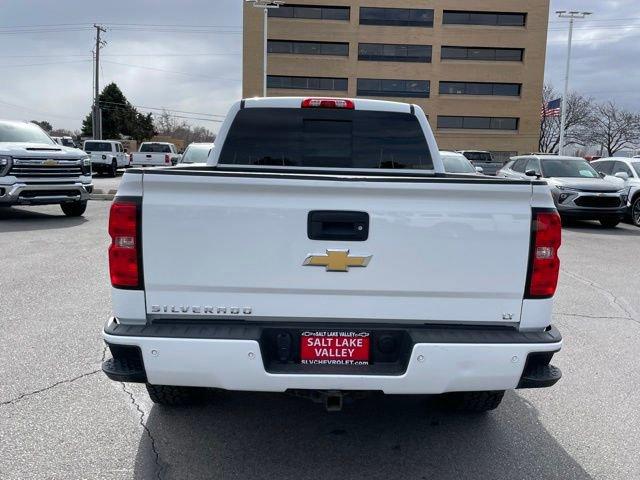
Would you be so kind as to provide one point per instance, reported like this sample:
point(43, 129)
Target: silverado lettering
point(204, 310)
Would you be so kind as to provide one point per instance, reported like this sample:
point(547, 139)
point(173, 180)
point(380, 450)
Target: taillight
point(544, 263)
point(328, 103)
point(167, 158)
point(124, 258)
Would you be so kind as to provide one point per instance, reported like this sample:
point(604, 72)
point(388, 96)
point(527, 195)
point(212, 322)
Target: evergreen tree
point(119, 117)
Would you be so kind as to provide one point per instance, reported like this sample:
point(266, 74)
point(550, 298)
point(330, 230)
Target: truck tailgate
point(441, 250)
point(142, 158)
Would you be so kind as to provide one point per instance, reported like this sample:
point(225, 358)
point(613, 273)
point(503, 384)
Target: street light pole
point(572, 16)
point(265, 5)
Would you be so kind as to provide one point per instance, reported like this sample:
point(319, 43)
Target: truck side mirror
point(531, 173)
point(623, 175)
point(479, 170)
point(602, 174)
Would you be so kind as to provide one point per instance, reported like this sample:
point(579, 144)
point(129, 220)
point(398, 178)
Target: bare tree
point(612, 128)
point(579, 109)
point(169, 125)
point(61, 132)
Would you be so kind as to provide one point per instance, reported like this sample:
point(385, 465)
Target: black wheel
point(473, 402)
point(174, 396)
point(609, 222)
point(635, 211)
point(113, 169)
point(74, 209)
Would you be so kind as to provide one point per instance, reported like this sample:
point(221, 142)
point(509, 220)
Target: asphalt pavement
point(60, 418)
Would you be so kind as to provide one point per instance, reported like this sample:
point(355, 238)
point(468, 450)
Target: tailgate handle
point(338, 226)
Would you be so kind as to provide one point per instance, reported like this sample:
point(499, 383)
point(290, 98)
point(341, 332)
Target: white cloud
point(606, 48)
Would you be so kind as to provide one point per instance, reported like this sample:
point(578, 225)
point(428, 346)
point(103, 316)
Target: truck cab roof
point(357, 103)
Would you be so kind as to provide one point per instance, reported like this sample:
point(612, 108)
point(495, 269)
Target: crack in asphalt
point(49, 387)
point(58, 383)
point(154, 448)
point(613, 298)
point(596, 317)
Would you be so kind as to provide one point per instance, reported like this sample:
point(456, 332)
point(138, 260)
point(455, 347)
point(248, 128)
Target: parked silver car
point(196, 153)
point(578, 190)
point(627, 170)
point(455, 162)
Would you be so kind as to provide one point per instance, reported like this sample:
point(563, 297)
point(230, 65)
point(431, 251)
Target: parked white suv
point(627, 170)
point(107, 156)
point(35, 170)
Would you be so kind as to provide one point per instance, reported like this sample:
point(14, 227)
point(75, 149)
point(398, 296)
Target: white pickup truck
point(107, 156)
point(35, 170)
point(329, 253)
point(156, 154)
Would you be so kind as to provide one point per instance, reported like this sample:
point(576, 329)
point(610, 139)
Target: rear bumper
point(44, 194)
point(231, 357)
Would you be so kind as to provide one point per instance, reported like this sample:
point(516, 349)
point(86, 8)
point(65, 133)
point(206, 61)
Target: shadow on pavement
point(242, 435)
point(623, 229)
point(16, 219)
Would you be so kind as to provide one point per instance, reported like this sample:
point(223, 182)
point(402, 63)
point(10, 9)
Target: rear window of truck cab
point(97, 147)
point(155, 148)
point(326, 138)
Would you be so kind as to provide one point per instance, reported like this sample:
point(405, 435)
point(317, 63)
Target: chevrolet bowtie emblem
point(49, 162)
point(336, 260)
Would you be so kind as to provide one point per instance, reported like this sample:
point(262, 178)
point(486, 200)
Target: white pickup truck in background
point(156, 154)
point(107, 156)
point(329, 253)
point(35, 170)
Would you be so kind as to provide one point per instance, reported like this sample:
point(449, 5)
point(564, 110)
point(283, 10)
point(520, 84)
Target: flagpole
point(571, 16)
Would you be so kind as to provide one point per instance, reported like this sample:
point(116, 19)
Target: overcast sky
point(47, 71)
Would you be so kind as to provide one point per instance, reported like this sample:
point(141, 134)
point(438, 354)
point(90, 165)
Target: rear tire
point(113, 169)
point(171, 396)
point(473, 402)
point(609, 222)
point(74, 209)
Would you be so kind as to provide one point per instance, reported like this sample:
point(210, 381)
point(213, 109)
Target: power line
point(44, 63)
point(168, 54)
point(214, 120)
point(165, 109)
point(19, 32)
point(41, 112)
point(172, 71)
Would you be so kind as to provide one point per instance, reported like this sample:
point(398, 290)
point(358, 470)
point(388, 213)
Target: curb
point(100, 194)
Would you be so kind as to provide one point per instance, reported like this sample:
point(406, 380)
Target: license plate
point(334, 348)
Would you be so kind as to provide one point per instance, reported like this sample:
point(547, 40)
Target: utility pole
point(266, 5)
point(97, 113)
point(572, 16)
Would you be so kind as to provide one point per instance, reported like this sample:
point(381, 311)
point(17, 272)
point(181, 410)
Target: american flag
point(552, 108)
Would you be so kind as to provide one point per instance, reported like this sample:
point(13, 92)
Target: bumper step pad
point(540, 376)
point(125, 366)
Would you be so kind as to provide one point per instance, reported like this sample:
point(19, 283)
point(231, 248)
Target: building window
point(394, 53)
point(311, 12)
point(480, 88)
point(374, 87)
point(478, 123)
point(308, 48)
point(494, 19)
point(307, 83)
point(483, 53)
point(399, 17)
